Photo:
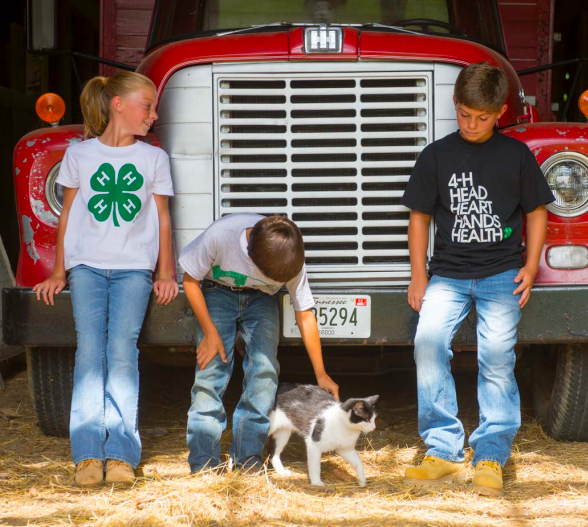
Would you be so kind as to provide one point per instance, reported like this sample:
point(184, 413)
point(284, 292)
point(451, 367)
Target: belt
point(230, 287)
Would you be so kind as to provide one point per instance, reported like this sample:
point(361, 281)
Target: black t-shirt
point(477, 193)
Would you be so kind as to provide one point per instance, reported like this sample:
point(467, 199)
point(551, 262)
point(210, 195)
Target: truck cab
point(317, 110)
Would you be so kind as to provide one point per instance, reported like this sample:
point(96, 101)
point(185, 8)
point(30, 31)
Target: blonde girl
point(113, 232)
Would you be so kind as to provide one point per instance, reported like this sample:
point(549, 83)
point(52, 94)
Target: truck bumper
point(553, 315)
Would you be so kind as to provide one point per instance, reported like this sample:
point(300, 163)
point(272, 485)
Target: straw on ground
point(546, 482)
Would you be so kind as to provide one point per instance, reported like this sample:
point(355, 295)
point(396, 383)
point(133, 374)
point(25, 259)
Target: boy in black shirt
point(476, 183)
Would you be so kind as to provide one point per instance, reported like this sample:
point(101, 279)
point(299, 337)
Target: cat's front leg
point(314, 465)
point(352, 457)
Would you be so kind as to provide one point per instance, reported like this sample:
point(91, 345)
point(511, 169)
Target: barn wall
point(528, 29)
point(130, 20)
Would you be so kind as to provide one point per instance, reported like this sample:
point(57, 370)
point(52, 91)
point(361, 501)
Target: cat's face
point(362, 413)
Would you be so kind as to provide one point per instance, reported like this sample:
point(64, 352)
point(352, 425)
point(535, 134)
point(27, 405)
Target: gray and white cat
point(324, 423)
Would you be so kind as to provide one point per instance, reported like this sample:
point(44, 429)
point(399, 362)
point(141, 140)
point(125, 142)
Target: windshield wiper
point(395, 28)
point(253, 28)
point(282, 24)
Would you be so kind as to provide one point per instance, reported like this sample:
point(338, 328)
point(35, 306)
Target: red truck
point(318, 109)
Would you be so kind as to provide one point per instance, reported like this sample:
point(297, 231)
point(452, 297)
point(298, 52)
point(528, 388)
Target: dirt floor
point(546, 481)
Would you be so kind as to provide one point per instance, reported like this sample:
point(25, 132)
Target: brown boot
point(119, 472)
point(89, 472)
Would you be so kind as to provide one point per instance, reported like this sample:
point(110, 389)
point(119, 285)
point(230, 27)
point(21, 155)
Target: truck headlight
point(567, 176)
point(54, 191)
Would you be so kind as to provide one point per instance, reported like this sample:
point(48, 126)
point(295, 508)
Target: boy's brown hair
point(481, 87)
point(276, 248)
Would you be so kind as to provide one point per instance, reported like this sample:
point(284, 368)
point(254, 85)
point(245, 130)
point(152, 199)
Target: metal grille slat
point(337, 154)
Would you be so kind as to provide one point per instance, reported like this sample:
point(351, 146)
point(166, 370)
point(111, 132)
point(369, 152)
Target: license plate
point(337, 316)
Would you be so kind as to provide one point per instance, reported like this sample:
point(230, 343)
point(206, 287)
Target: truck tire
point(560, 385)
point(51, 382)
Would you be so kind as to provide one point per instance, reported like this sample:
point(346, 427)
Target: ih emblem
point(115, 193)
point(323, 39)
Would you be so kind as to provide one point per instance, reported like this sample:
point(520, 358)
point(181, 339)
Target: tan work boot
point(89, 472)
point(119, 472)
point(434, 471)
point(488, 478)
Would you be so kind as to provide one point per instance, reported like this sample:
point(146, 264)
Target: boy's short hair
point(276, 248)
point(481, 87)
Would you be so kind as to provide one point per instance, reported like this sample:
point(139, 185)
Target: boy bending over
point(233, 270)
point(477, 184)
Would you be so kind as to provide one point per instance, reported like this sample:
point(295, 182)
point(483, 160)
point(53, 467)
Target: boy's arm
point(56, 282)
point(310, 336)
point(165, 287)
point(536, 233)
point(418, 241)
point(211, 343)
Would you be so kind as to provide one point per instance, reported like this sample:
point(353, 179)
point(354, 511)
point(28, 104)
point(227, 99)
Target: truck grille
point(332, 153)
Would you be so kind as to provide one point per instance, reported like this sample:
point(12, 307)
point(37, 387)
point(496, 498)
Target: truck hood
point(358, 45)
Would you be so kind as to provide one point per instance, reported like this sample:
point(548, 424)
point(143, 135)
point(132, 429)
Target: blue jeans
point(447, 302)
point(256, 315)
point(109, 307)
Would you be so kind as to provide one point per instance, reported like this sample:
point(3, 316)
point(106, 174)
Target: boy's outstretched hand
point(416, 292)
point(525, 279)
point(329, 385)
point(166, 290)
point(209, 347)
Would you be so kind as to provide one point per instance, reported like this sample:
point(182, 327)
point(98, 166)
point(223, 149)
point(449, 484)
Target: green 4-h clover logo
point(115, 193)
point(507, 232)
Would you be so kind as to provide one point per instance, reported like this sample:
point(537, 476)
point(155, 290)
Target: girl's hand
point(50, 287)
point(209, 347)
point(166, 290)
point(329, 385)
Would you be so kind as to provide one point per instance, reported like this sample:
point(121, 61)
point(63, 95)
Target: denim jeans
point(109, 307)
point(447, 302)
point(255, 314)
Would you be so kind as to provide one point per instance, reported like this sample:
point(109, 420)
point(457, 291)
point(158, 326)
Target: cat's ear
point(360, 410)
point(348, 404)
point(372, 400)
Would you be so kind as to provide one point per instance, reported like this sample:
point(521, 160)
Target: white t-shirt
point(113, 222)
point(220, 254)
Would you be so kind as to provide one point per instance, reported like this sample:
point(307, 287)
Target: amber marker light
point(50, 108)
point(583, 103)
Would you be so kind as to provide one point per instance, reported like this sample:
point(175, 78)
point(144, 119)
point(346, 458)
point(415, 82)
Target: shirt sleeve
point(421, 192)
point(535, 190)
point(69, 175)
point(162, 183)
point(300, 292)
point(198, 256)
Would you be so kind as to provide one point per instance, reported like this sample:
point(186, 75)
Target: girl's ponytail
point(99, 91)
point(95, 106)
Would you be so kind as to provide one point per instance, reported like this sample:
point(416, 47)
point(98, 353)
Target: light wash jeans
point(256, 314)
point(109, 307)
point(447, 302)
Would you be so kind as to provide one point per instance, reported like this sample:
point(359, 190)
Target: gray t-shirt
point(220, 254)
